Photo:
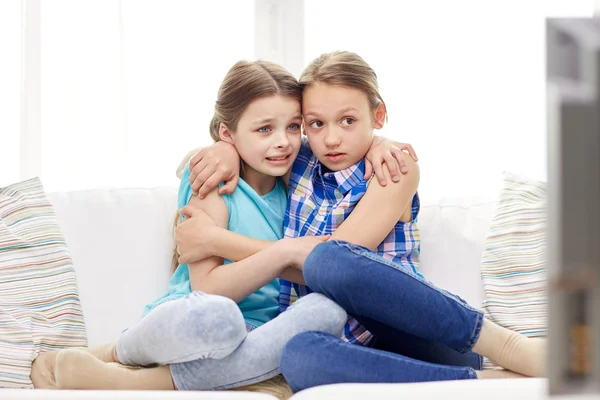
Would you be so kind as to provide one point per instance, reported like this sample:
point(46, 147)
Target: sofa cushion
point(121, 241)
point(453, 232)
point(48, 394)
point(39, 305)
point(469, 389)
point(513, 268)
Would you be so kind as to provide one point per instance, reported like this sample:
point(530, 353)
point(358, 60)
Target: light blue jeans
point(204, 339)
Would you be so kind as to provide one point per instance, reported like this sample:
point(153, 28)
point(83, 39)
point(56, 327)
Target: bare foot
point(42, 370)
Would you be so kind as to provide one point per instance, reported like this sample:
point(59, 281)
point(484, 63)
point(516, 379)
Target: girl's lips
point(335, 157)
point(281, 160)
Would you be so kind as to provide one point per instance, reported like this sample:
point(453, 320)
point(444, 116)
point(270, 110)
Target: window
point(463, 81)
point(10, 84)
point(127, 87)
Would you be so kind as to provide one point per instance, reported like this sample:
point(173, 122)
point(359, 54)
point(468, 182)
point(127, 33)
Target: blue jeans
point(423, 333)
point(204, 339)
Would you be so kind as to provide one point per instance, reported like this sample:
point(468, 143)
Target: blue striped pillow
point(513, 264)
point(39, 301)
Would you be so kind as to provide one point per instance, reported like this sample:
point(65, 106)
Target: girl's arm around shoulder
point(380, 209)
point(236, 280)
point(214, 206)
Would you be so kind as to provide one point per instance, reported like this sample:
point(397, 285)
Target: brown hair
point(344, 68)
point(245, 82)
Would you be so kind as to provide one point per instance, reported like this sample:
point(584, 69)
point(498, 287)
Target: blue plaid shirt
point(318, 203)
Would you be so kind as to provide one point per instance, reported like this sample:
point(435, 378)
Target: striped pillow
point(39, 302)
point(513, 267)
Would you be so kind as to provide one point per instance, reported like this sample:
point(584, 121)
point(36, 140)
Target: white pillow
point(513, 264)
point(39, 301)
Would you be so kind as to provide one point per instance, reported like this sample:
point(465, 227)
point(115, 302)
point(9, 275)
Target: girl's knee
point(321, 266)
point(218, 317)
point(333, 269)
point(302, 355)
point(315, 312)
point(328, 315)
point(293, 352)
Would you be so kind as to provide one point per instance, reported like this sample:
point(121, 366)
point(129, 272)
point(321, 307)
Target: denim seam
point(409, 273)
point(195, 354)
point(383, 261)
point(410, 361)
point(178, 385)
point(474, 334)
point(231, 385)
point(126, 361)
point(472, 374)
point(249, 381)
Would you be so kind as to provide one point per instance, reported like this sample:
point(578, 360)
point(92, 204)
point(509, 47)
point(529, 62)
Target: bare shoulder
point(213, 205)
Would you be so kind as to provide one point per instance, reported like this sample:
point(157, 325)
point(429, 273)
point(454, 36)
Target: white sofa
point(121, 244)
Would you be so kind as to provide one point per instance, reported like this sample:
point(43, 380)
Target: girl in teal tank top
point(250, 214)
point(197, 332)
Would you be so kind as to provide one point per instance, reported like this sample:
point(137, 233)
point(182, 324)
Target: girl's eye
point(347, 121)
point(294, 127)
point(316, 124)
point(264, 129)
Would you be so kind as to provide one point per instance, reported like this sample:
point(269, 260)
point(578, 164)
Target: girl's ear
point(379, 116)
point(303, 128)
point(225, 134)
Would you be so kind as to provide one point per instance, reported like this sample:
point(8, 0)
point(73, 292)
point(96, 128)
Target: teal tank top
point(252, 215)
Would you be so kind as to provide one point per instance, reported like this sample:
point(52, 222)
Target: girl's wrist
point(282, 253)
point(214, 243)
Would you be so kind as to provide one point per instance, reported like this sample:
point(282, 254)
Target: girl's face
point(339, 123)
point(267, 137)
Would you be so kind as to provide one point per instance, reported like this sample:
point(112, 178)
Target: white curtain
point(10, 89)
point(128, 86)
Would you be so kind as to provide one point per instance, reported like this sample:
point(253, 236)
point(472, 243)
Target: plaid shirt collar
point(343, 180)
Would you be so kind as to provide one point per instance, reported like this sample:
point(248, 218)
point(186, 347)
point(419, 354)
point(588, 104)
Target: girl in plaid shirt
point(413, 330)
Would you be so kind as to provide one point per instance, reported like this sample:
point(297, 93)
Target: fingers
point(187, 212)
point(399, 155)
point(230, 185)
point(209, 185)
point(378, 167)
point(185, 160)
point(411, 151)
point(195, 182)
point(392, 166)
point(324, 238)
point(368, 169)
point(202, 178)
point(199, 156)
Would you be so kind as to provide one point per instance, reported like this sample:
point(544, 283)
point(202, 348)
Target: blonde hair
point(344, 68)
point(245, 82)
